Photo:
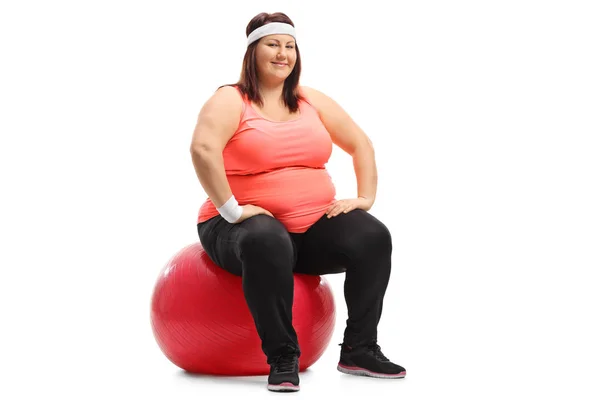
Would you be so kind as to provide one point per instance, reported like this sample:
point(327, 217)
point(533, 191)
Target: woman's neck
point(271, 93)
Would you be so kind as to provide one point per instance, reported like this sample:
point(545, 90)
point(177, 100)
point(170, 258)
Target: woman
point(259, 150)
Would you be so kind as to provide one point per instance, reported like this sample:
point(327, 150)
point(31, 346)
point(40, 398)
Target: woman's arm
point(346, 134)
point(217, 122)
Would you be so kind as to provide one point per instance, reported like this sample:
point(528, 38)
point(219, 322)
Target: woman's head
point(271, 59)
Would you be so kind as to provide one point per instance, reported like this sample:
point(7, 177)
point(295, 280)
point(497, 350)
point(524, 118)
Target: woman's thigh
point(228, 244)
point(332, 245)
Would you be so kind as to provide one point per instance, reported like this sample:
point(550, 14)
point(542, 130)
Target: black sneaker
point(284, 374)
point(368, 361)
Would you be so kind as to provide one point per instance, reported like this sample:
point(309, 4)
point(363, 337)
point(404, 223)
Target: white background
point(485, 119)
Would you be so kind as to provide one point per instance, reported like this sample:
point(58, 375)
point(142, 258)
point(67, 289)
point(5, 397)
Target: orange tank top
point(279, 166)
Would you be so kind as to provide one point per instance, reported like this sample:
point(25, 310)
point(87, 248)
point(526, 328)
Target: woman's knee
point(263, 236)
point(372, 237)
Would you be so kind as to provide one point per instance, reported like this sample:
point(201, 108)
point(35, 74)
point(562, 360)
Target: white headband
point(272, 28)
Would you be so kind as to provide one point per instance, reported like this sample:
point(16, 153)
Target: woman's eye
point(275, 44)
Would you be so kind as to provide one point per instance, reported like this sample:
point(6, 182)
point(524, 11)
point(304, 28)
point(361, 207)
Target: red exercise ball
point(202, 323)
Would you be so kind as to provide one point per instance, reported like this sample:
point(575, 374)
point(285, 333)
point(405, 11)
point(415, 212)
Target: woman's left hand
point(347, 205)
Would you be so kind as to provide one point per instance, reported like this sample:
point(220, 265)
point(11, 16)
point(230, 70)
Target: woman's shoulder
point(319, 100)
point(228, 96)
point(226, 102)
point(229, 92)
point(309, 93)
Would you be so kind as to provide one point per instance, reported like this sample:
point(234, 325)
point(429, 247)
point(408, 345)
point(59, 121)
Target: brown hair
point(248, 82)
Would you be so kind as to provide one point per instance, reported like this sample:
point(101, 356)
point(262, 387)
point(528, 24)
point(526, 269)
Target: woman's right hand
point(250, 210)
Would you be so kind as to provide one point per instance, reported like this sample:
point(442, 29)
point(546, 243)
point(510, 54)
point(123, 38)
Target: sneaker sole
point(283, 387)
point(365, 372)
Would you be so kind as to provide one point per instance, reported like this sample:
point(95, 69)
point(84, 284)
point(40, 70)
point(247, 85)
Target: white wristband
point(231, 210)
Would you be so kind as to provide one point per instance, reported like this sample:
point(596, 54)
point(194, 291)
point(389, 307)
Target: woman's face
point(275, 57)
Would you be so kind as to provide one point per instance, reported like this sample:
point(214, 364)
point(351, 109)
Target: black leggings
point(266, 255)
